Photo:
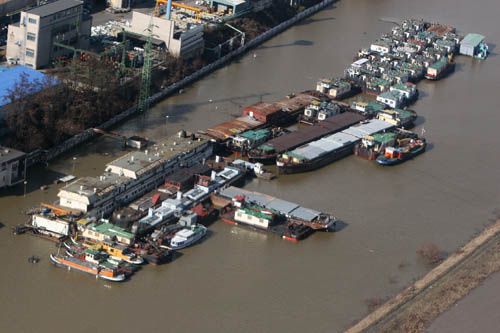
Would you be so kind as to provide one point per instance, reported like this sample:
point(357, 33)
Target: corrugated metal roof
point(326, 145)
point(282, 206)
point(308, 152)
point(472, 40)
point(304, 213)
point(233, 127)
point(342, 138)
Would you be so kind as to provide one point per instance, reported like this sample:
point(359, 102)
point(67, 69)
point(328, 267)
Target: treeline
point(43, 113)
point(90, 91)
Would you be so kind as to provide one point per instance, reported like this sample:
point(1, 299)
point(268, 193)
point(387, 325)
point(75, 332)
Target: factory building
point(181, 39)
point(30, 42)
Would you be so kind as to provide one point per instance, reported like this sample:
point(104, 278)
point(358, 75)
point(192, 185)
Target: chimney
point(168, 13)
point(212, 177)
point(179, 195)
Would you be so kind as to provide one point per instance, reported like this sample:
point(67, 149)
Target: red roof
point(155, 198)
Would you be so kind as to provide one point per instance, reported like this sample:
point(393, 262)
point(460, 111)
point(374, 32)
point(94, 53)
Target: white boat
point(187, 236)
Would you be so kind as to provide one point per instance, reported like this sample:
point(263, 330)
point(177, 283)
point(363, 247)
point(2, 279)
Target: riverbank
point(45, 156)
point(418, 305)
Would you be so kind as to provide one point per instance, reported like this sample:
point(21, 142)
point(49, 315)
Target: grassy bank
point(417, 306)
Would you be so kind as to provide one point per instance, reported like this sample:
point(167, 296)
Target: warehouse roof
point(54, 7)
point(10, 76)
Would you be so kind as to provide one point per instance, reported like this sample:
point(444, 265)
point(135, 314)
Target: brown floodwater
point(240, 280)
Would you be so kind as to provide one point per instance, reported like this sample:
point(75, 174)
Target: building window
point(32, 20)
point(31, 36)
point(30, 53)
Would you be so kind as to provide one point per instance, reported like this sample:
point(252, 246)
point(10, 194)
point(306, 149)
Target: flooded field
point(240, 280)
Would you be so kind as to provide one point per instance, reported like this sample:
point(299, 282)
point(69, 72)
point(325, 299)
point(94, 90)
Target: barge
point(317, 154)
point(268, 152)
point(101, 271)
point(293, 212)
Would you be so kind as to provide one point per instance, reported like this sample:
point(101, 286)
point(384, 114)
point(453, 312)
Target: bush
point(431, 253)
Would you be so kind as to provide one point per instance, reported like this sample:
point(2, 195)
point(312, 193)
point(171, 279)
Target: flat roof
point(472, 39)
point(86, 185)
point(54, 7)
point(9, 154)
point(139, 162)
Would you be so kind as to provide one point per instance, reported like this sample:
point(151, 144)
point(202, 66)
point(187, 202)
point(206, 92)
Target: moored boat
point(98, 270)
point(440, 69)
point(317, 154)
point(405, 150)
point(188, 236)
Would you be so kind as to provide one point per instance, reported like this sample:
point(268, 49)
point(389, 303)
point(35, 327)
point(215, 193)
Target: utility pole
point(145, 92)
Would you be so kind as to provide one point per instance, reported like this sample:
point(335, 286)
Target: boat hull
point(384, 161)
point(445, 72)
point(192, 241)
point(316, 163)
point(61, 262)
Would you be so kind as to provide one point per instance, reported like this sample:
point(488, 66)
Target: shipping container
point(51, 225)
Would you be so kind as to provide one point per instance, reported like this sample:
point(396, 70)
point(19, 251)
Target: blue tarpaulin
point(10, 76)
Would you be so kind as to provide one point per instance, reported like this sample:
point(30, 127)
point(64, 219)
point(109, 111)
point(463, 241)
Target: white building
point(30, 42)
point(12, 167)
point(133, 175)
point(181, 40)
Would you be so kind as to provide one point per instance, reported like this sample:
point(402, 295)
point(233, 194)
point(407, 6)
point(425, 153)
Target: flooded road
point(240, 280)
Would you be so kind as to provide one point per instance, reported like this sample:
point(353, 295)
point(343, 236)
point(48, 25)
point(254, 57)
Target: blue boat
point(407, 149)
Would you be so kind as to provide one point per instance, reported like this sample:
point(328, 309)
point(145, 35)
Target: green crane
point(145, 92)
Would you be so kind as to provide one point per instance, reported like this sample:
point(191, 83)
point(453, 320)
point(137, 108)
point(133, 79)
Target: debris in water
point(33, 260)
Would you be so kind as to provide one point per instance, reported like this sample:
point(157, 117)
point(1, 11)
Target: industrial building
point(12, 167)
point(181, 39)
point(43, 32)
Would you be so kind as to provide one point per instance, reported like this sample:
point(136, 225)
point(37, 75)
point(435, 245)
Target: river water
point(240, 280)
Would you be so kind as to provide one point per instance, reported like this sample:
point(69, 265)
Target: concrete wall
point(163, 29)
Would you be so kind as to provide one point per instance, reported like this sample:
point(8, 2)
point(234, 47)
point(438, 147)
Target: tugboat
point(406, 149)
point(99, 270)
point(296, 231)
point(188, 236)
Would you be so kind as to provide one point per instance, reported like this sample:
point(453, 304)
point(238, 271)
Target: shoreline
point(54, 152)
point(423, 301)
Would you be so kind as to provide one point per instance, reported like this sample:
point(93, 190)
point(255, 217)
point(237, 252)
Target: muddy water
point(238, 280)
